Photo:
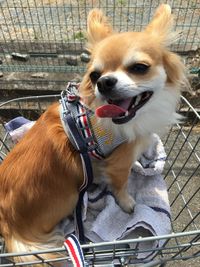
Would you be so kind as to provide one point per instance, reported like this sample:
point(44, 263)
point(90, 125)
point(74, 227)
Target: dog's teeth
point(126, 114)
point(138, 99)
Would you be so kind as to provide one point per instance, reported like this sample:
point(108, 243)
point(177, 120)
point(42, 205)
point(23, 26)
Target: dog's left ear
point(161, 26)
point(175, 70)
point(98, 27)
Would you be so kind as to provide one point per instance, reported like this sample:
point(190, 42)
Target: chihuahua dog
point(132, 85)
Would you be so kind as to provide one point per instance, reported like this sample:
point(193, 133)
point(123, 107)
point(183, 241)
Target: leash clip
point(71, 92)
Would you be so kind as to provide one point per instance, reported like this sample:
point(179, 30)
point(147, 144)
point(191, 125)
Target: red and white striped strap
point(74, 250)
point(87, 132)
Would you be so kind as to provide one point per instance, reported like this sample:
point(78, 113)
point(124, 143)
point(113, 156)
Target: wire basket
point(182, 175)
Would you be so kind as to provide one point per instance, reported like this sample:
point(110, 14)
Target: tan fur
point(175, 71)
point(40, 180)
point(41, 176)
point(95, 31)
point(118, 167)
point(161, 26)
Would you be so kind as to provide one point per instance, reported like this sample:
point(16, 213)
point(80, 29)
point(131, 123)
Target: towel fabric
point(104, 220)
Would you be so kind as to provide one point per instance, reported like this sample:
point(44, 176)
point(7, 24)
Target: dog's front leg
point(118, 167)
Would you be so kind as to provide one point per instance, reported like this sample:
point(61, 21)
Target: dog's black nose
point(105, 84)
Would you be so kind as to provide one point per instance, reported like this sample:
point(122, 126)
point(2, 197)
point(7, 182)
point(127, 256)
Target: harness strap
point(74, 250)
point(87, 170)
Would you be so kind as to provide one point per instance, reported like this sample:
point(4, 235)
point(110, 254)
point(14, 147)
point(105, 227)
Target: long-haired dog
point(132, 84)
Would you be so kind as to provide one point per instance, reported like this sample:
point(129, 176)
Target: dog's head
point(130, 73)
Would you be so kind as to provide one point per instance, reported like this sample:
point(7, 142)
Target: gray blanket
point(104, 220)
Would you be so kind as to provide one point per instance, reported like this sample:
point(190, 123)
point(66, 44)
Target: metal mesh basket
point(182, 175)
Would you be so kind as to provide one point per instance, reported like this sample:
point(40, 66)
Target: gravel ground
point(184, 177)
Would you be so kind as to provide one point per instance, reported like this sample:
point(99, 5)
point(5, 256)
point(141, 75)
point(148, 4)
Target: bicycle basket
point(181, 175)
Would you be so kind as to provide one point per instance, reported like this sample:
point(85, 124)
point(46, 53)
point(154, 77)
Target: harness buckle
point(71, 92)
point(92, 147)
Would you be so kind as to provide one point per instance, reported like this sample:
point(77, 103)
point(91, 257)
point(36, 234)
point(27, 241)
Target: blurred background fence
point(42, 41)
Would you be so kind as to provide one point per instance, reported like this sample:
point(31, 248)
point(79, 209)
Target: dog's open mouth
point(122, 111)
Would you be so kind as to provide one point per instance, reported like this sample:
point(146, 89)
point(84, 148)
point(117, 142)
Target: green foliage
point(79, 36)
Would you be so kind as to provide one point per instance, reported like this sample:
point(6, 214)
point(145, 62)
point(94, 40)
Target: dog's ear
point(98, 27)
point(161, 26)
point(176, 71)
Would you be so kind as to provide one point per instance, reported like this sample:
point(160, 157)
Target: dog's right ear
point(161, 26)
point(98, 27)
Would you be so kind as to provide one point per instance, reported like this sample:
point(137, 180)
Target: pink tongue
point(109, 111)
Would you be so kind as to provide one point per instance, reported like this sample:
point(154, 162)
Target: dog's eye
point(138, 68)
point(94, 76)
